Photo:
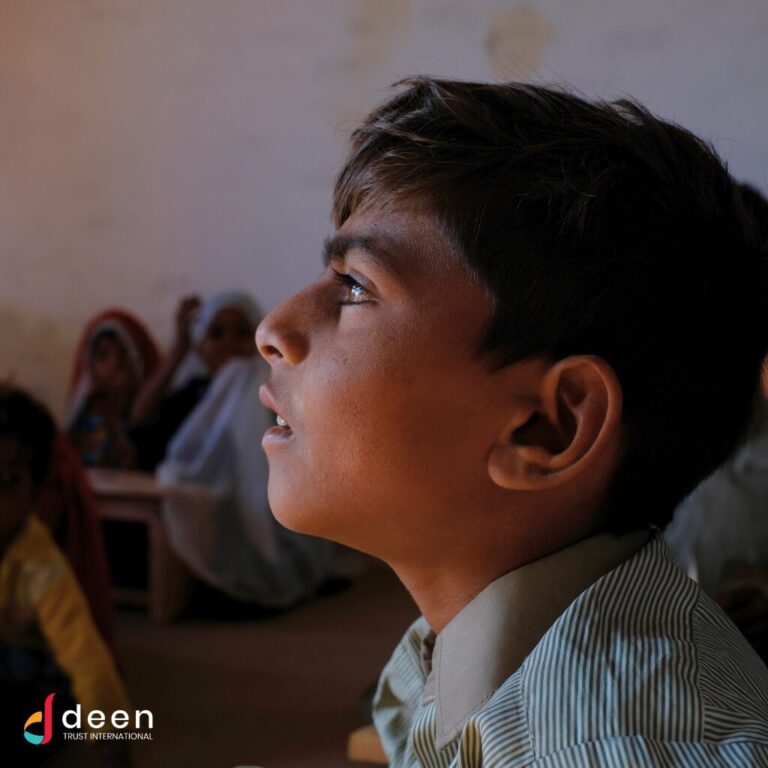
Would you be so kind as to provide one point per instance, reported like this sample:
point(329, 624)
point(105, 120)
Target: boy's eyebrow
point(335, 248)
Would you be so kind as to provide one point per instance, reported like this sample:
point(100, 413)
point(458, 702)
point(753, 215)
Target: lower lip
point(276, 435)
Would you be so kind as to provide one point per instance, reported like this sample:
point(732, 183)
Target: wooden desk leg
point(169, 579)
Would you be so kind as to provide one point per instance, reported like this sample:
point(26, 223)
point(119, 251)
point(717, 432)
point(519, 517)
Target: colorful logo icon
point(46, 718)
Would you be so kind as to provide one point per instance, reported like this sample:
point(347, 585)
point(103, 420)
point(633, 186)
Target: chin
point(290, 510)
point(288, 520)
point(301, 513)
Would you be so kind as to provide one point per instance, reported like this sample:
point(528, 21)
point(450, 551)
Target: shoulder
point(641, 750)
point(398, 700)
point(404, 674)
point(34, 542)
point(642, 653)
point(732, 679)
point(36, 562)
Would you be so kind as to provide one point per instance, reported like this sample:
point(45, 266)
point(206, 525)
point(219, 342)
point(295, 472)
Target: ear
point(559, 434)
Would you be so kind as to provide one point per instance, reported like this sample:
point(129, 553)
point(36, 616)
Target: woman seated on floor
point(208, 336)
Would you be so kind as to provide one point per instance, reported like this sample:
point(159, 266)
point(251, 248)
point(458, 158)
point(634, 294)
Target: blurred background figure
point(115, 357)
point(67, 506)
point(720, 532)
point(208, 335)
point(720, 535)
point(49, 642)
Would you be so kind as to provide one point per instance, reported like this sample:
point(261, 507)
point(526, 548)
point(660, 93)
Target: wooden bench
point(364, 746)
point(135, 497)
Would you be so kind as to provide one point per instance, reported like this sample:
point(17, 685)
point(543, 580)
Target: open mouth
point(281, 431)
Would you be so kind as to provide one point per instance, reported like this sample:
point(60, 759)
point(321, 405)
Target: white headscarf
point(226, 300)
point(192, 366)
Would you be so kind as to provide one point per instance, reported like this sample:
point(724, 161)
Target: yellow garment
point(40, 594)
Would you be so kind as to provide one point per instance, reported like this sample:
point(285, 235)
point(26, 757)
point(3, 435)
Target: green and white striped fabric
point(641, 669)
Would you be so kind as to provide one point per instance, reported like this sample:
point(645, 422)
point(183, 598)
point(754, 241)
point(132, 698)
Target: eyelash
point(351, 283)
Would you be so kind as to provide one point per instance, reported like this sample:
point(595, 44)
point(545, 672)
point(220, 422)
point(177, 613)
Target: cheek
point(359, 405)
point(347, 425)
point(385, 434)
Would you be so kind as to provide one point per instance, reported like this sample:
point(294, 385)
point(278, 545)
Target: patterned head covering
point(135, 339)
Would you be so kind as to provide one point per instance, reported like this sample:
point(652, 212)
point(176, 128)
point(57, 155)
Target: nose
point(279, 337)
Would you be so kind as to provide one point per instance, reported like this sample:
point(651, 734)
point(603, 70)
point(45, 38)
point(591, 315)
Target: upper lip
point(268, 401)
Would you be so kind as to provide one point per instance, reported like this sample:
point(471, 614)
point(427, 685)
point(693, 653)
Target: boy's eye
point(355, 292)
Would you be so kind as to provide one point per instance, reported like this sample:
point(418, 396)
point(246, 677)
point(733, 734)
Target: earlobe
point(577, 417)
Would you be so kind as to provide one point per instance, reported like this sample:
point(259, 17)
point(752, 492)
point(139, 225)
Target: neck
point(454, 571)
point(440, 596)
point(441, 589)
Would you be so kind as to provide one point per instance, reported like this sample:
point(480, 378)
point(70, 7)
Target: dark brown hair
point(598, 229)
point(29, 424)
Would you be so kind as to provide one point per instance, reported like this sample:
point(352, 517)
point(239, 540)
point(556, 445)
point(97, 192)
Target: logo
point(46, 718)
point(117, 726)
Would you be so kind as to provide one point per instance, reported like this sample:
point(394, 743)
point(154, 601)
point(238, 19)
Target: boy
point(541, 324)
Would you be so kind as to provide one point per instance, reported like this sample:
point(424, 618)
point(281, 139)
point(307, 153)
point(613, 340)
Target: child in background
point(48, 640)
point(208, 336)
point(116, 355)
point(67, 506)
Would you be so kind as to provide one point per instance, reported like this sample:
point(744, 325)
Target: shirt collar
point(490, 637)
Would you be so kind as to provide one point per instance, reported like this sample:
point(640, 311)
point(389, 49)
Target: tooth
point(281, 422)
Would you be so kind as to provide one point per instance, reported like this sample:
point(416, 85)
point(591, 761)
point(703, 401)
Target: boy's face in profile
point(389, 409)
point(16, 489)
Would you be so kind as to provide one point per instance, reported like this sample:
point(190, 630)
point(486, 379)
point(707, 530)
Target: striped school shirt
point(603, 654)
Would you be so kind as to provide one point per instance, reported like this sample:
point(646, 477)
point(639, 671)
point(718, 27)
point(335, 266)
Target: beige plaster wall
point(149, 149)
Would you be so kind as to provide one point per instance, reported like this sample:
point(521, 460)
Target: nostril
point(264, 341)
point(268, 350)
